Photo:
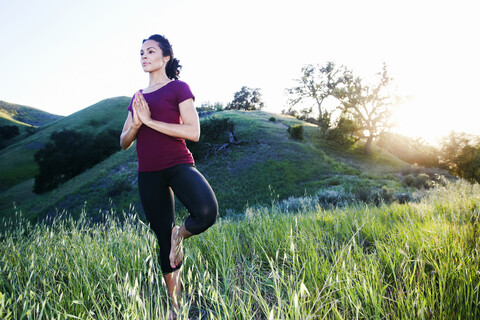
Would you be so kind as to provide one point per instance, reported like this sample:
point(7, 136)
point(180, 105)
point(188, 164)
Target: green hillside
point(268, 166)
point(18, 164)
point(26, 119)
point(24, 116)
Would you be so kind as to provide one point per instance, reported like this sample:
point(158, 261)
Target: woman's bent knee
point(203, 219)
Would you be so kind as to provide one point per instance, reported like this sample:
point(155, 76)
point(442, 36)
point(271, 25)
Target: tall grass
point(409, 261)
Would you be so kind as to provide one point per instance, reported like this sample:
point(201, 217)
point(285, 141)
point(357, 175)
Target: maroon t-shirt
point(155, 150)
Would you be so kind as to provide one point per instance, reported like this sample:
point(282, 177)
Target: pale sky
point(62, 56)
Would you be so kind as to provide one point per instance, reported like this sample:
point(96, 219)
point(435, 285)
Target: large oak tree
point(369, 105)
point(316, 84)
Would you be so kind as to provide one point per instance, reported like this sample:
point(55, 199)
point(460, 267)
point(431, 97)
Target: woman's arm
point(189, 128)
point(130, 129)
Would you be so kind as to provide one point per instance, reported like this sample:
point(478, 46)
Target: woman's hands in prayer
point(141, 111)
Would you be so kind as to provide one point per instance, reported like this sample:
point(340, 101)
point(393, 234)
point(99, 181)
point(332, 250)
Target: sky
point(62, 56)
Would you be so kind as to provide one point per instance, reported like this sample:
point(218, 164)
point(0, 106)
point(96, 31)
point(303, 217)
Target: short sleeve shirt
point(155, 150)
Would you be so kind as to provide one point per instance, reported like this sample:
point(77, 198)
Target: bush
point(339, 135)
point(296, 131)
point(213, 130)
point(31, 130)
point(69, 153)
point(119, 187)
point(272, 119)
point(9, 132)
point(216, 129)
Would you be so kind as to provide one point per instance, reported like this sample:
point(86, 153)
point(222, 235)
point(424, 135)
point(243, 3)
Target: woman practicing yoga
point(160, 118)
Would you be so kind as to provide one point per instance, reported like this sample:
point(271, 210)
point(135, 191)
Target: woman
point(160, 118)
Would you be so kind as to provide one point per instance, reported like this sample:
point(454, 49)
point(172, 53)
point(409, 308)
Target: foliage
point(213, 130)
point(297, 261)
point(6, 133)
point(273, 119)
point(270, 159)
point(31, 130)
point(246, 99)
point(339, 135)
point(414, 151)
point(18, 163)
point(469, 163)
point(316, 84)
point(210, 107)
point(296, 131)
point(425, 178)
point(69, 153)
point(9, 132)
point(460, 154)
point(370, 106)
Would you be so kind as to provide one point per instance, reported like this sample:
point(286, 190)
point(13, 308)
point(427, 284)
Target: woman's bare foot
point(176, 250)
point(172, 315)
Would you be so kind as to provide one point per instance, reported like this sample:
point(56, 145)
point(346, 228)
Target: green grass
point(410, 261)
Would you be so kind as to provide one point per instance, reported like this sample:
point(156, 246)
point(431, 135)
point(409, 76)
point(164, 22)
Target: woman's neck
point(158, 78)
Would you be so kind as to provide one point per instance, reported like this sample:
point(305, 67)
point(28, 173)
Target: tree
point(370, 106)
point(316, 84)
point(341, 134)
point(9, 132)
point(247, 99)
point(452, 146)
point(460, 154)
point(69, 153)
point(468, 163)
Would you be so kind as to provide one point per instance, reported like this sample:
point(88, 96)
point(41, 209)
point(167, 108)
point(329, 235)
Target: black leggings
point(158, 203)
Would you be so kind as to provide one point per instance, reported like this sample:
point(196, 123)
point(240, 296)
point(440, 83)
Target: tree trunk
point(320, 114)
point(368, 145)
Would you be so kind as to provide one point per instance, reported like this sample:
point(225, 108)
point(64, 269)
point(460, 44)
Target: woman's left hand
point(141, 108)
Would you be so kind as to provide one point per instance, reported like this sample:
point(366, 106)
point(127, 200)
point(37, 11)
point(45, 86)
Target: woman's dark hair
point(173, 65)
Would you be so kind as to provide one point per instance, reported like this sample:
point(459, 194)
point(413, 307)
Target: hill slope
point(18, 164)
point(25, 116)
point(269, 166)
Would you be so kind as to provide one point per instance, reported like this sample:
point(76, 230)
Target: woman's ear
point(166, 59)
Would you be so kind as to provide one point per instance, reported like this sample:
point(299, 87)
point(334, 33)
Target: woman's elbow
point(195, 135)
point(195, 138)
point(124, 144)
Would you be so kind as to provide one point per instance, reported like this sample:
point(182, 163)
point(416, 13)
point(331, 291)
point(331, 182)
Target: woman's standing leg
point(195, 193)
point(159, 207)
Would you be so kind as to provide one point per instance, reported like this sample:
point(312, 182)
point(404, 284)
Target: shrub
point(420, 181)
point(409, 180)
point(31, 130)
point(296, 131)
point(9, 132)
point(119, 187)
point(213, 130)
point(340, 134)
point(69, 153)
point(335, 198)
point(272, 119)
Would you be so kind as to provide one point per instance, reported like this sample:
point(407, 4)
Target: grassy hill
point(18, 164)
point(24, 116)
point(269, 166)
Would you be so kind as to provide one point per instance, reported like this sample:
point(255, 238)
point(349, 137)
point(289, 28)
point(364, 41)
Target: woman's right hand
point(137, 123)
point(130, 128)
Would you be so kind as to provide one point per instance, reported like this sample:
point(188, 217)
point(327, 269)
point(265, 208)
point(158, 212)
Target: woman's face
point(151, 56)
